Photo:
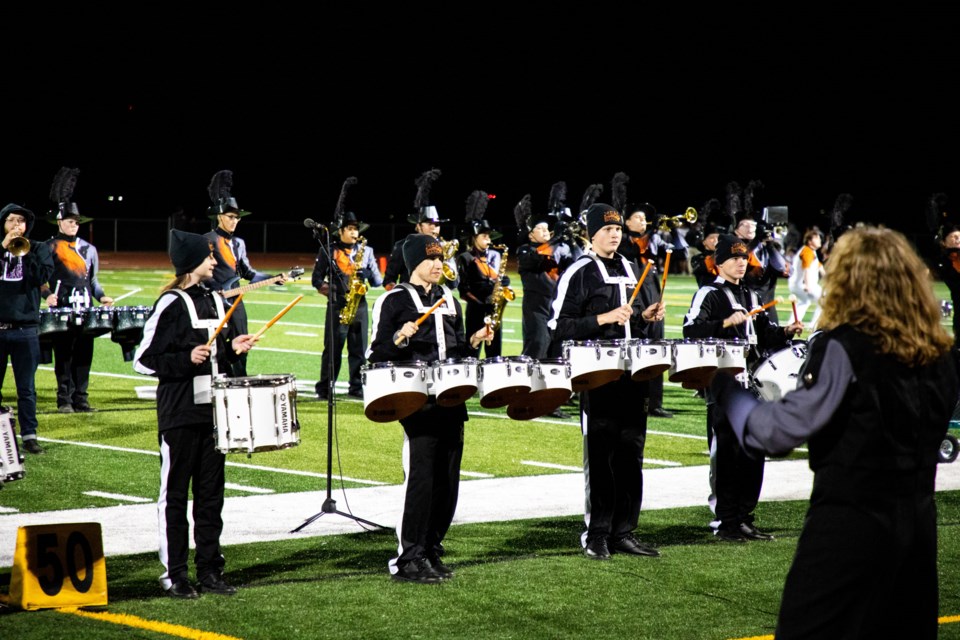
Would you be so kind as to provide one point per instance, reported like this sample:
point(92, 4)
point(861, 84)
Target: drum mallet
point(766, 306)
point(793, 302)
point(226, 317)
point(257, 335)
point(666, 270)
point(420, 320)
point(636, 289)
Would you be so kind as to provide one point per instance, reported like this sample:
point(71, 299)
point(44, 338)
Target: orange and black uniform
point(540, 268)
point(478, 272)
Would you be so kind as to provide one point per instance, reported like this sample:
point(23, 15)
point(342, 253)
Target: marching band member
point(74, 280)
point(949, 269)
point(174, 349)
point(348, 263)
point(720, 310)
point(22, 272)
point(592, 303)
point(875, 396)
point(433, 436)
point(805, 275)
point(230, 251)
point(479, 268)
point(704, 265)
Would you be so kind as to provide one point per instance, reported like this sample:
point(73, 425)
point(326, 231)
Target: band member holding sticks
point(724, 310)
point(592, 304)
point(73, 283)
point(433, 436)
point(877, 391)
point(175, 350)
point(230, 251)
point(24, 267)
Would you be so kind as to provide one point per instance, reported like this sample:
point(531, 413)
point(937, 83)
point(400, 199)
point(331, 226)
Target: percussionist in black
point(593, 303)
point(720, 310)
point(433, 437)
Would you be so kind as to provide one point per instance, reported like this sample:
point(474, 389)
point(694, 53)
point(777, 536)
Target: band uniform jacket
point(76, 264)
point(343, 256)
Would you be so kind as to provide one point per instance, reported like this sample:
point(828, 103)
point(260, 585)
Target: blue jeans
point(22, 346)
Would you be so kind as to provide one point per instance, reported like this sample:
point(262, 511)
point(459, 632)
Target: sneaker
point(630, 544)
point(64, 408)
point(419, 571)
point(597, 549)
point(83, 407)
point(32, 446)
point(182, 590)
point(750, 532)
point(214, 583)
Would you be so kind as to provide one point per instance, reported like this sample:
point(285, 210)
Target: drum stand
point(329, 504)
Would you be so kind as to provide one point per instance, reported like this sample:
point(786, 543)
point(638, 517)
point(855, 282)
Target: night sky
point(810, 105)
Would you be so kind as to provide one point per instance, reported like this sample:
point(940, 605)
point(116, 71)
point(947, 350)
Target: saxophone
point(356, 289)
point(501, 295)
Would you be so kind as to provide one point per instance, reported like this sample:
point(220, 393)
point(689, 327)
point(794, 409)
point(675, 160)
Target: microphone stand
point(323, 236)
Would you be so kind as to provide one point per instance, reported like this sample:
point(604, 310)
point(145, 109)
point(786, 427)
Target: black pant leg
point(63, 365)
point(208, 485)
point(80, 371)
point(357, 346)
point(177, 461)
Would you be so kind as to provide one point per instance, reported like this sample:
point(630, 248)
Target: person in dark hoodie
point(22, 272)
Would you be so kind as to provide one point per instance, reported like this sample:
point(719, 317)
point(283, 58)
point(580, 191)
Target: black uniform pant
point(614, 422)
point(738, 478)
point(651, 292)
point(73, 354)
point(188, 454)
point(432, 450)
point(474, 321)
point(355, 335)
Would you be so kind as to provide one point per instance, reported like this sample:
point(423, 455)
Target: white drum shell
point(501, 379)
point(453, 381)
point(11, 463)
point(732, 358)
point(649, 359)
point(549, 389)
point(694, 363)
point(595, 363)
point(255, 413)
point(393, 390)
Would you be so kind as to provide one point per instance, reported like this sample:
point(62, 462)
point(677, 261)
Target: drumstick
point(765, 307)
point(420, 320)
point(666, 270)
point(226, 317)
point(257, 335)
point(793, 302)
point(636, 289)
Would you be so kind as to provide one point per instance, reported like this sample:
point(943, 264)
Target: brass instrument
point(450, 248)
point(356, 289)
point(501, 295)
point(690, 215)
point(18, 246)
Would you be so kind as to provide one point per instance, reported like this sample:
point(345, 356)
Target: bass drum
point(776, 375)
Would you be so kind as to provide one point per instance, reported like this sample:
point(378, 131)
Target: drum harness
point(204, 382)
point(741, 377)
point(621, 282)
point(447, 310)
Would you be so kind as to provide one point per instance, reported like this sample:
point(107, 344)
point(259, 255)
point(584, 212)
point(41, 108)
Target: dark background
point(812, 104)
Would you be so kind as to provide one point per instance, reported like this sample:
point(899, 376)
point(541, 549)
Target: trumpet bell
point(18, 246)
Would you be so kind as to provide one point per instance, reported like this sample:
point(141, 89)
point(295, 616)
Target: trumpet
point(450, 248)
point(690, 216)
point(18, 246)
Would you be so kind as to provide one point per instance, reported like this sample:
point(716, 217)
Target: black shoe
point(419, 571)
point(32, 446)
point(629, 544)
point(64, 408)
point(355, 394)
point(750, 532)
point(660, 412)
point(560, 413)
point(445, 572)
point(83, 408)
point(214, 583)
point(597, 549)
point(730, 535)
point(183, 590)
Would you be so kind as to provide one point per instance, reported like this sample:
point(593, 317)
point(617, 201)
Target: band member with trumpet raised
point(24, 267)
point(481, 269)
point(74, 283)
point(233, 264)
point(593, 303)
point(354, 268)
point(175, 350)
point(433, 436)
point(722, 310)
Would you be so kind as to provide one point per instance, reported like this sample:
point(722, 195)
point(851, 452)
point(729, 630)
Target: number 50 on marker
point(59, 565)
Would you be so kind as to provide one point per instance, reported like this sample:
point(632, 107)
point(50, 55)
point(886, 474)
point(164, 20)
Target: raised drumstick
point(793, 302)
point(420, 320)
point(257, 335)
point(666, 270)
point(765, 307)
point(223, 322)
point(636, 289)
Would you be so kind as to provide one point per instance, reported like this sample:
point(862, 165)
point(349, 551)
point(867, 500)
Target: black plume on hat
point(523, 214)
point(61, 191)
point(600, 215)
point(477, 203)
point(423, 210)
point(557, 201)
point(590, 196)
point(730, 246)
point(343, 218)
point(188, 250)
point(749, 196)
point(716, 220)
point(222, 201)
point(618, 191)
point(418, 247)
point(733, 204)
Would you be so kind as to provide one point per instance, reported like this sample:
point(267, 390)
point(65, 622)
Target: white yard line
point(550, 465)
point(241, 487)
point(476, 474)
point(118, 496)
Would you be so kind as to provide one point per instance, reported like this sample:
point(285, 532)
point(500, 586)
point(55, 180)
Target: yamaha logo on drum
point(408, 374)
point(284, 413)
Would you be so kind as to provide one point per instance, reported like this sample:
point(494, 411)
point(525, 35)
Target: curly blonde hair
point(876, 283)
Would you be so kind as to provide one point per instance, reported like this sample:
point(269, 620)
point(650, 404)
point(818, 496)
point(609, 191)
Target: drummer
point(433, 437)
point(720, 310)
point(73, 284)
point(174, 349)
point(592, 303)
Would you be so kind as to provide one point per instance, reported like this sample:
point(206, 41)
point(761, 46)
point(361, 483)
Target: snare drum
point(776, 375)
point(549, 389)
point(11, 462)
point(96, 321)
point(393, 390)
point(732, 357)
point(56, 320)
point(453, 380)
point(649, 359)
point(694, 363)
point(501, 379)
point(594, 363)
point(255, 413)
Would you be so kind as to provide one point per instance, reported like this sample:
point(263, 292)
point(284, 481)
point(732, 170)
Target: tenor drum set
point(531, 388)
point(124, 324)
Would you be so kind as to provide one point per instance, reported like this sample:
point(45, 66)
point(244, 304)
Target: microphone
point(310, 224)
